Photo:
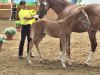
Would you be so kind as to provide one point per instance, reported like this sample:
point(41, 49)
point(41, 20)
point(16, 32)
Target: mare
point(59, 29)
point(64, 8)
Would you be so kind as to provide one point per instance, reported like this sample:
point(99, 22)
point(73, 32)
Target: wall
point(5, 11)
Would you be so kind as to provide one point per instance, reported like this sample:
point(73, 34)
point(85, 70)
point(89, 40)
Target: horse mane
point(57, 2)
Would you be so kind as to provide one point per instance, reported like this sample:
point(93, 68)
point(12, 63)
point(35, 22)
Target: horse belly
point(96, 23)
point(52, 32)
point(79, 27)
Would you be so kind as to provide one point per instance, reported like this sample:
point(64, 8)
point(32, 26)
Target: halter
point(44, 10)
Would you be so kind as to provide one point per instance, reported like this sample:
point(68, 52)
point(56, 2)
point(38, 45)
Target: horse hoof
point(64, 67)
point(40, 60)
point(32, 56)
point(70, 64)
point(58, 59)
point(87, 63)
point(29, 62)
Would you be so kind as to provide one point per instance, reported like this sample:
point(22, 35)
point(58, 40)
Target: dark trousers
point(13, 16)
point(25, 32)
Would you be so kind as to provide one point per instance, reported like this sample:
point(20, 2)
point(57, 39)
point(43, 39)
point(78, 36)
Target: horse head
point(44, 5)
point(43, 8)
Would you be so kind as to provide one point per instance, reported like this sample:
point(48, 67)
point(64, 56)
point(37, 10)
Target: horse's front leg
point(68, 51)
point(37, 43)
point(60, 54)
point(92, 36)
point(64, 43)
point(31, 44)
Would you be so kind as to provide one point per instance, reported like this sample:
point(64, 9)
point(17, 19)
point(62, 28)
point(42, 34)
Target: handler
point(25, 18)
point(14, 10)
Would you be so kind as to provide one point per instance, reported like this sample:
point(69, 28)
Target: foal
point(59, 29)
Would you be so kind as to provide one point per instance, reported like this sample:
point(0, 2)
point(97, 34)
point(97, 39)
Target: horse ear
point(38, 2)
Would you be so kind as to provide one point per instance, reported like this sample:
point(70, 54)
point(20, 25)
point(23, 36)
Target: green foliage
point(2, 39)
point(10, 30)
point(18, 23)
point(30, 4)
point(3, 1)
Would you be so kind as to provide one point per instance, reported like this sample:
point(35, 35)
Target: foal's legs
point(36, 40)
point(68, 51)
point(65, 50)
point(69, 47)
point(60, 54)
point(92, 36)
point(63, 45)
point(37, 43)
point(31, 44)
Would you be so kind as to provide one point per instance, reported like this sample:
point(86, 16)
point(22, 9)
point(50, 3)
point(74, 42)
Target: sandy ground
point(49, 46)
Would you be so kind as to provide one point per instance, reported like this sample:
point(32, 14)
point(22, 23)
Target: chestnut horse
point(59, 29)
point(64, 8)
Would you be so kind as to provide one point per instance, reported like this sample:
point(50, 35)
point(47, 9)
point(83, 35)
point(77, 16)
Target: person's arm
point(33, 17)
point(28, 18)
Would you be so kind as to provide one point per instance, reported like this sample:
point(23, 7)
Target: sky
point(27, 1)
point(91, 1)
point(88, 1)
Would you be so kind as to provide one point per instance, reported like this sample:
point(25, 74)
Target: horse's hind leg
point(37, 43)
point(92, 36)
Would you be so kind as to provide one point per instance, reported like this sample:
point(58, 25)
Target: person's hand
point(36, 16)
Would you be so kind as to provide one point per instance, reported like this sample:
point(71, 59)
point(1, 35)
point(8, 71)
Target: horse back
point(93, 9)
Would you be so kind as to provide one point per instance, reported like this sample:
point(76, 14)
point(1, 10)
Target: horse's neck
point(58, 10)
point(58, 5)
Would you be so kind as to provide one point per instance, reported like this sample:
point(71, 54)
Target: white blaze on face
point(38, 2)
point(45, 3)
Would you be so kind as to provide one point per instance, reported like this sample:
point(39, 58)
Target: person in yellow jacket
point(31, 13)
point(26, 18)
